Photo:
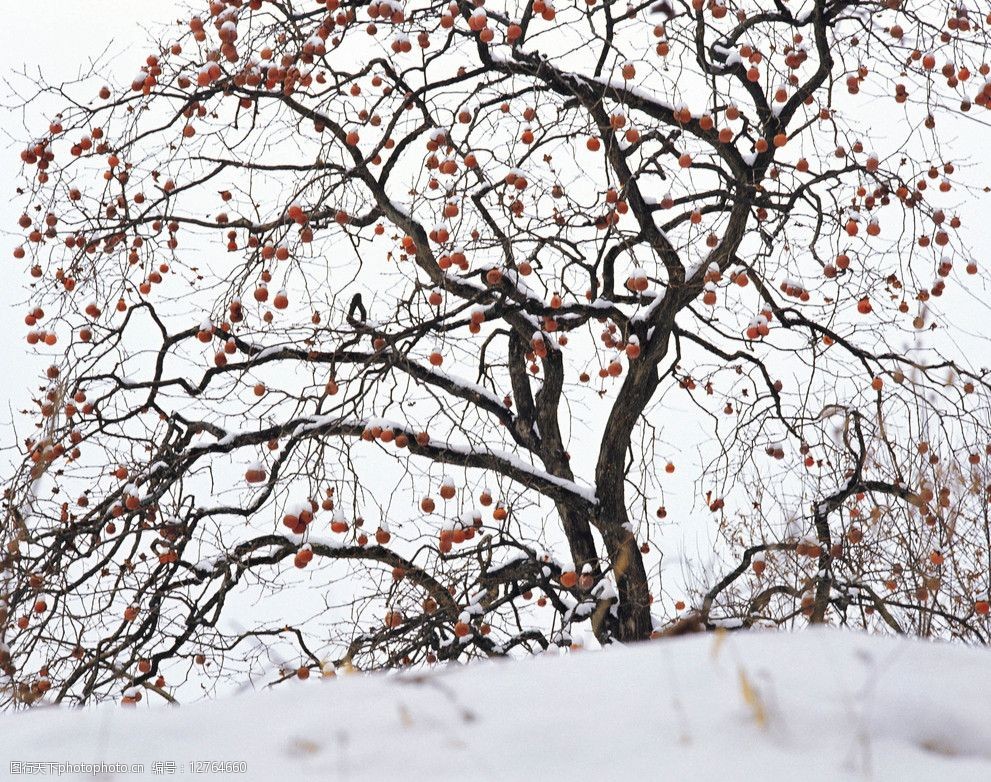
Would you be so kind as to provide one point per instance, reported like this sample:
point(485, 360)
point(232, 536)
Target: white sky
point(62, 45)
point(60, 42)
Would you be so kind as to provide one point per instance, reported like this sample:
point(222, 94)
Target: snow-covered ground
point(818, 705)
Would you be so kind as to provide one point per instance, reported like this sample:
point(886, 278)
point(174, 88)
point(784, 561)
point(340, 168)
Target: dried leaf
point(719, 638)
point(752, 699)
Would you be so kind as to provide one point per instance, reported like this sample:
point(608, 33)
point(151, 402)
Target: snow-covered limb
point(502, 462)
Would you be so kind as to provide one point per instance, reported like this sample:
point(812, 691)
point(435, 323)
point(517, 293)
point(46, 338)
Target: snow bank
point(818, 705)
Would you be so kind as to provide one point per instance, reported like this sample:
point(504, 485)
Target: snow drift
point(818, 705)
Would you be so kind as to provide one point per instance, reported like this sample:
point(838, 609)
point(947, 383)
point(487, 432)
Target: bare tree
point(413, 297)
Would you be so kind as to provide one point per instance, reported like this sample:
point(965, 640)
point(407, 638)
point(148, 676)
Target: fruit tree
point(379, 334)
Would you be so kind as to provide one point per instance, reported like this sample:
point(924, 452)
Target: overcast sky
point(59, 42)
point(62, 45)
